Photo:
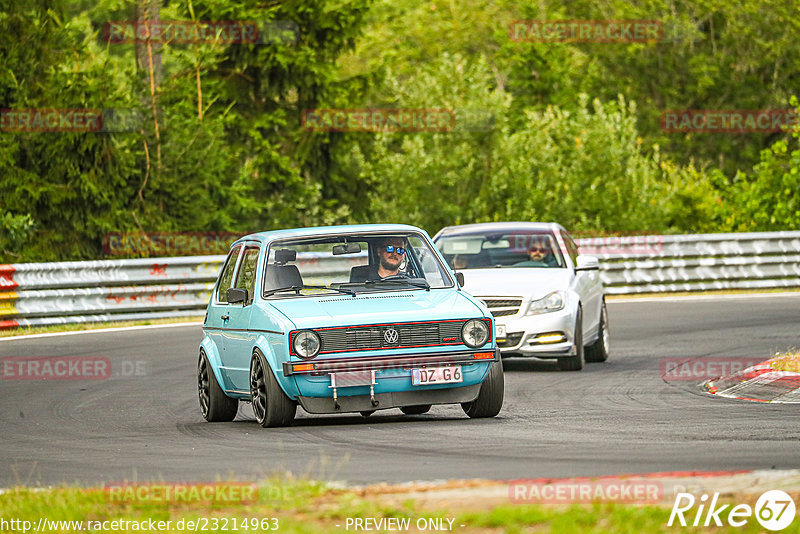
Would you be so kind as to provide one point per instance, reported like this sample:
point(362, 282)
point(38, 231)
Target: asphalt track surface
point(612, 418)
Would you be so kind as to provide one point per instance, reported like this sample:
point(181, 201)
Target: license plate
point(436, 375)
point(501, 331)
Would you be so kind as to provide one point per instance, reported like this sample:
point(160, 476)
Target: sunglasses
point(399, 250)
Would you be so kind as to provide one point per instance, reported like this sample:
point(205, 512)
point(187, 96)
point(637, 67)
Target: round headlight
point(475, 333)
point(306, 344)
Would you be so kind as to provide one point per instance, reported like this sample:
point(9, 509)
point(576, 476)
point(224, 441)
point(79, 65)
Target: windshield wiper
point(416, 282)
point(297, 289)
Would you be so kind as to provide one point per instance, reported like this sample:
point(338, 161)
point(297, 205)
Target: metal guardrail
point(699, 262)
point(36, 294)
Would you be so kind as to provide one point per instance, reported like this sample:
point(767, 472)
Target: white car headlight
point(306, 344)
point(552, 302)
point(475, 333)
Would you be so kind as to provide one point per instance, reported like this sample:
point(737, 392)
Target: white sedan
point(548, 301)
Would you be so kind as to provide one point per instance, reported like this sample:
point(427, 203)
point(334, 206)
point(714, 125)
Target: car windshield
point(518, 248)
point(352, 264)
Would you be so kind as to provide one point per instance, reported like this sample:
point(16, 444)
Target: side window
point(431, 270)
point(247, 272)
point(572, 249)
point(227, 274)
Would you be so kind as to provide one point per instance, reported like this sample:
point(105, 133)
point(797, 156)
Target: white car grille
point(502, 306)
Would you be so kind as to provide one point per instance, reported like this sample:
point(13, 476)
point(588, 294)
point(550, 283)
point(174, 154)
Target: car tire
point(490, 398)
point(575, 363)
point(214, 404)
point(416, 410)
point(271, 406)
point(598, 351)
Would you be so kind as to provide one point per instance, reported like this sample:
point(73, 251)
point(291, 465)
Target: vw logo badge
point(391, 336)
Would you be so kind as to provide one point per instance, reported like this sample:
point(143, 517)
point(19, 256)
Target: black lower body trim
point(359, 403)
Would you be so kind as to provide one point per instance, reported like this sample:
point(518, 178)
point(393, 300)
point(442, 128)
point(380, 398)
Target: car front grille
point(502, 307)
point(376, 337)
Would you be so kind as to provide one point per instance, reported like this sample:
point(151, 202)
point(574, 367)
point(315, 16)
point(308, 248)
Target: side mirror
point(236, 295)
point(587, 263)
point(460, 279)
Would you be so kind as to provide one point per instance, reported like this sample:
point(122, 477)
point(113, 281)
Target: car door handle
point(225, 317)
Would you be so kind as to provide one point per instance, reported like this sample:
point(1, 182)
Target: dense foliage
point(213, 138)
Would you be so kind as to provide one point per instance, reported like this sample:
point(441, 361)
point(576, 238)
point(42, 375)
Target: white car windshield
point(355, 263)
point(519, 249)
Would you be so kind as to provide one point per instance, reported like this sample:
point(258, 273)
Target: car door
point(239, 339)
point(588, 287)
point(217, 319)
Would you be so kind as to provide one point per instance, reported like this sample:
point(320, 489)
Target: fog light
point(550, 337)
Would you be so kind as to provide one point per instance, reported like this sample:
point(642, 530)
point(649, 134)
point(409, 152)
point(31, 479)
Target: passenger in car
point(460, 261)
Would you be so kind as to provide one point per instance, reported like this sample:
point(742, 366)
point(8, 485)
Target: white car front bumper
point(536, 335)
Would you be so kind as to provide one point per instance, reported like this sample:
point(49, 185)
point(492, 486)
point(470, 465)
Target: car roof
point(497, 227)
point(271, 235)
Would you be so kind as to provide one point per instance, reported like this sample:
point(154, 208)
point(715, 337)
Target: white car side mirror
point(587, 263)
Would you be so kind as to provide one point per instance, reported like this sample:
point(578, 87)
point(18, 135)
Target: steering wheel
point(398, 276)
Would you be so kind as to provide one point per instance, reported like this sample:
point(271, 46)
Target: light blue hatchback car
point(344, 319)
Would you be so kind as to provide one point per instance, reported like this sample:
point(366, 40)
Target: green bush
point(585, 167)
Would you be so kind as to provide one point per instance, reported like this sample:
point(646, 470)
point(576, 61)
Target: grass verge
point(302, 506)
point(789, 361)
point(703, 293)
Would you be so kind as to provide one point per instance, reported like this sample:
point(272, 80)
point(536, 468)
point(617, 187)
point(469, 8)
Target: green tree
point(69, 185)
point(213, 140)
point(580, 166)
point(714, 55)
point(768, 198)
point(266, 87)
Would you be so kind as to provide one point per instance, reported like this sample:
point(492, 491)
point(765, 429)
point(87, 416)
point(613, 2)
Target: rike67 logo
point(774, 510)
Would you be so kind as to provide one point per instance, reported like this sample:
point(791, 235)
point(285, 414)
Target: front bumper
point(395, 361)
point(336, 385)
point(521, 333)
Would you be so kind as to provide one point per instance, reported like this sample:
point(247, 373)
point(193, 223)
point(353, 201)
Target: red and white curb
point(481, 493)
point(760, 383)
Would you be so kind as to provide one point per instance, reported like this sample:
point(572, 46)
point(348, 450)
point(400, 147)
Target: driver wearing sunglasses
point(390, 256)
point(540, 254)
point(539, 250)
point(391, 252)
